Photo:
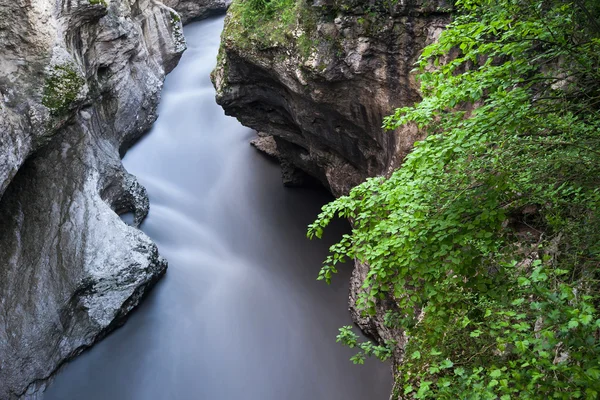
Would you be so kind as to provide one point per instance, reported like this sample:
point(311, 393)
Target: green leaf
point(573, 324)
point(593, 373)
point(496, 373)
point(586, 319)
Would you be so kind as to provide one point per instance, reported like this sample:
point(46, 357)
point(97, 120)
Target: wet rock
point(267, 145)
point(79, 82)
point(374, 326)
point(291, 176)
point(190, 10)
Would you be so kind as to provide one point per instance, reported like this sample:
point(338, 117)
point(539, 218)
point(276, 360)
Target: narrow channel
point(239, 314)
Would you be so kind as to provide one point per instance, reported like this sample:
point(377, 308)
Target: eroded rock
point(190, 10)
point(322, 92)
point(79, 82)
point(266, 144)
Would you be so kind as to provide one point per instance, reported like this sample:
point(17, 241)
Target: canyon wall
point(322, 85)
point(317, 91)
point(80, 81)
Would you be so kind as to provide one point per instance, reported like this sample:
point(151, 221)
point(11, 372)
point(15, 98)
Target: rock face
point(196, 9)
point(322, 88)
point(79, 82)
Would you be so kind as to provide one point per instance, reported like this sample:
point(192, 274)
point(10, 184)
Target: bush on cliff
point(487, 238)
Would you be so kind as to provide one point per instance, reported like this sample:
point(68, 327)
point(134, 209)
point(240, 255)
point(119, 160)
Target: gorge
point(73, 270)
point(239, 313)
point(444, 151)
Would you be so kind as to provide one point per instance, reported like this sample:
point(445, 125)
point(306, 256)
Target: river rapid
point(239, 314)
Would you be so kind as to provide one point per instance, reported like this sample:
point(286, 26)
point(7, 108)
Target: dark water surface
point(239, 314)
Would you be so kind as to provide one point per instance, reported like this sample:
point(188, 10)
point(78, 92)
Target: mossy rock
point(103, 3)
point(61, 89)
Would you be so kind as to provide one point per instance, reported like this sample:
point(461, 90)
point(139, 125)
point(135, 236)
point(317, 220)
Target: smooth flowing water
point(239, 314)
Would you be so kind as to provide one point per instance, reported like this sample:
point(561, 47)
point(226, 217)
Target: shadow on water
point(239, 314)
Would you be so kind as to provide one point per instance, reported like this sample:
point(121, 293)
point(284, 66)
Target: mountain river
point(239, 314)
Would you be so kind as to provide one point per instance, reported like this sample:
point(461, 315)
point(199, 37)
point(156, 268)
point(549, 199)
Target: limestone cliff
point(321, 86)
point(79, 82)
point(190, 10)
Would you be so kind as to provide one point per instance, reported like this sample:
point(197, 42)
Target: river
point(239, 314)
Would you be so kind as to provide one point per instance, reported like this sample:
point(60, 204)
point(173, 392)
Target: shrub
point(487, 237)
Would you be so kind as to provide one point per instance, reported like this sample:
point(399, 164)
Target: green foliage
point(487, 237)
point(266, 24)
point(175, 17)
point(367, 348)
point(262, 23)
point(61, 89)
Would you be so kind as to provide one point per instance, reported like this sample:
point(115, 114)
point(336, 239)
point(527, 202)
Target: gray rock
point(325, 105)
point(374, 327)
point(291, 176)
point(79, 82)
point(266, 144)
point(190, 10)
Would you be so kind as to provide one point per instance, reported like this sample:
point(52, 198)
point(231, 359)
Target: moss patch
point(175, 17)
point(61, 89)
point(262, 28)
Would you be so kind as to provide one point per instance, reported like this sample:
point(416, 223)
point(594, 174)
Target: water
point(239, 314)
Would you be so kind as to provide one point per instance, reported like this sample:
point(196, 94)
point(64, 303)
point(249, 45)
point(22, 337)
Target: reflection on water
point(239, 314)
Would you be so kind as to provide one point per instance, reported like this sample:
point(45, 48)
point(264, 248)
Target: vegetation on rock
point(487, 237)
point(178, 37)
point(61, 89)
point(261, 23)
point(483, 247)
point(103, 3)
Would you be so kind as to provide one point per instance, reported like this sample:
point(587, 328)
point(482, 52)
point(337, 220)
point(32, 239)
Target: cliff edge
point(320, 79)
